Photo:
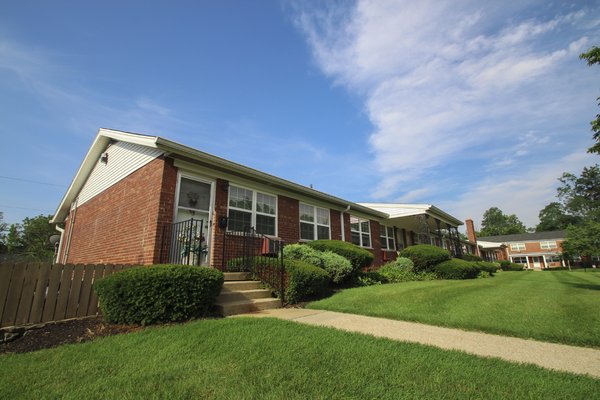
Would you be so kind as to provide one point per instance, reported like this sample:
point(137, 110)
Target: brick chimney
point(471, 230)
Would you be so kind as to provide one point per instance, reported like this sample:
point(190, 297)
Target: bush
point(489, 267)
point(402, 262)
point(158, 294)
point(425, 256)
point(305, 281)
point(359, 258)
point(483, 274)
point(456, 268)
point(370, 278)
point(506, 265)
point(401, 270)
point(470, 257)
point(338, 267)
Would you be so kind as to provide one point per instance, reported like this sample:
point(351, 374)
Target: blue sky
point(463, 104)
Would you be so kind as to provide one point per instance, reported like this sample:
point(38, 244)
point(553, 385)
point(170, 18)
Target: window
point(194, 195)
point(314, 222)
point(387, 238)
point(360, 231)
point(249, 208)
point(548, 245)
point(517, 246)
point(520, 260)
point(553, 258)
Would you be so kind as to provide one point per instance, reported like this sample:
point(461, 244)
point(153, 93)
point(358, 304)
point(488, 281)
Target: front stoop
point(241, 295)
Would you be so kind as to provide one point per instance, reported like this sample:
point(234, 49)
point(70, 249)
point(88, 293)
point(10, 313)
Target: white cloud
point(446, 80)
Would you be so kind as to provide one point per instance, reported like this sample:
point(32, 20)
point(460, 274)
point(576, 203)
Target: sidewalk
point(578, 360)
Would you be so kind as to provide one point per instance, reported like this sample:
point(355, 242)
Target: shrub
point(402, 262)
point(359, 258)
point(339, 268)
point(401, 270)
point(304, 253)
point(456, 268)
point(425, 256)
point(158, 294)
point(489, 267)
point(506, 265)
point(305, 281)
point(483, 274)
point(370, 278)
point(470, 257)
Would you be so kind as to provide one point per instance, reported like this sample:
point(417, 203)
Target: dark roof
point(523, 237)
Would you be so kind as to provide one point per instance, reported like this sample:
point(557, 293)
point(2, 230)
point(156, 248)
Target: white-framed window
point(360, 231)
point(548, 244)
point(251, 208)
point(520, 260)
point(517, 246)
point(553, 258)
point(386, 236)
point(314, 222)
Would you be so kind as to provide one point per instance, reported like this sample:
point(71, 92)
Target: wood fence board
point(109, 269)
point(63, 293)
point(75, 291)
point(40, 293)
point(53, 284)
point(14, 295)
point(6, 271)
point(98, 274)
point(86, 291)
point(29, 281)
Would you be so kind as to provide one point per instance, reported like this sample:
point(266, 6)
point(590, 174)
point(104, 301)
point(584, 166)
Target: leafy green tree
point(580, 195)
point(36, 232)
point(553, 218)
point(583, 240)
point(14, 242)
point(3, 230)
point(496, 223)
point(593, 57)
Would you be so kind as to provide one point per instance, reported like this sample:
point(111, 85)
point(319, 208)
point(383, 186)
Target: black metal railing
point(184, 243)
point(253, 252)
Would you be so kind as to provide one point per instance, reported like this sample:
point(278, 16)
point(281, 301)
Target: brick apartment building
point(132, 191)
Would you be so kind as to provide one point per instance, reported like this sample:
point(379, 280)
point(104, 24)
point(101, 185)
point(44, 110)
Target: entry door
point(537, 263)
point(194, 201)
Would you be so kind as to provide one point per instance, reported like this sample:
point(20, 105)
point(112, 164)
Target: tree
point(553, 218)
point(3, 230)
point(593, 57)
point(14, 243)
point(580, 195)
point(36, 232)
point(583, 240)
point(496, 223)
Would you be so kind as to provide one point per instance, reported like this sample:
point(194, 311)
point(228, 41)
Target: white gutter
point(342, 222)
point(60, 243)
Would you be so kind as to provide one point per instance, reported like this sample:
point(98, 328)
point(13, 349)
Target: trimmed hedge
point(158, 294)
point(506, 265)
point(425, 256)
point(338, 267)
point(456, 268)
point(395, 274)
point(359, 258)
point(305, 281)
point(489, 267)
point(470, 257)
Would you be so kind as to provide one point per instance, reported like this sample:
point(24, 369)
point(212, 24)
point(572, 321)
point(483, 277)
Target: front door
point(537, 262)
point(194, 207)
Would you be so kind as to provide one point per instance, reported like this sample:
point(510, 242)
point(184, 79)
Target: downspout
point(73, 213)
point(60, 243)
point(342, 222)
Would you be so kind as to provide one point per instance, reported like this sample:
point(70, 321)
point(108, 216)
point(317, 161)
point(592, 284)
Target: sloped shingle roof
point(524, 237)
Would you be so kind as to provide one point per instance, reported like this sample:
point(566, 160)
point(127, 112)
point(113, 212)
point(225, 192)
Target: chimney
point(471, 230)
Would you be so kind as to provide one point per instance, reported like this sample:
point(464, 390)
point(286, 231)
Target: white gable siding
point(123, 159)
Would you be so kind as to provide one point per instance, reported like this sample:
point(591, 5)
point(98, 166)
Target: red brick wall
point(348, 237)
point(288, 219)
point(220, 210)
point(376, 244)
point(121, 224)
point(336, 225)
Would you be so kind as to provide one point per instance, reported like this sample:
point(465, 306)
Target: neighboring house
point(536, 250)
point(140, 199)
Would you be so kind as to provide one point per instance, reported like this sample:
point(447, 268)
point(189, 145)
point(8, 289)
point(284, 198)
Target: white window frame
point(360, 231)
point(315, 222)
point(548, 244)
point(386, 235)
point(517, 246)
point(253, 211)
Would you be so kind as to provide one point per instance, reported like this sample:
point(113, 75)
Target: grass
point(557, 306)
point(244, 358)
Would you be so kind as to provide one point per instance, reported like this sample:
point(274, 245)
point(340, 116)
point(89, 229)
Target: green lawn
point(244, 358)
point(561, 307)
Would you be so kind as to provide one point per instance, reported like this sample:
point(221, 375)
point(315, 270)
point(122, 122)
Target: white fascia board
point(101, 141)
point(399, 210)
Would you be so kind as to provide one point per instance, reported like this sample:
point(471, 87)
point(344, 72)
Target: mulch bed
point(59, 333)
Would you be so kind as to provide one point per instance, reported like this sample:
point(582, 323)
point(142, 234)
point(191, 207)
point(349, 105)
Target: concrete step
point(237, 276)
point(234, 286)
point(229, 295)
point(247, 306)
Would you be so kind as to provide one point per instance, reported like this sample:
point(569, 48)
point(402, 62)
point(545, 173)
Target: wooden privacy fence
point(32, 293)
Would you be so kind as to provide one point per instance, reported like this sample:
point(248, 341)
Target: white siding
point(123, 159)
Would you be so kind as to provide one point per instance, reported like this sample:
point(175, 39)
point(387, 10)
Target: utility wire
point(26, 208)
point(30, 181)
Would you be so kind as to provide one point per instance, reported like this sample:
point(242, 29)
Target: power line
point(31, 181)
point(26, 208)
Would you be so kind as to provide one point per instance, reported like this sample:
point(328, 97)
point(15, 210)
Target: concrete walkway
point(578, 360)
